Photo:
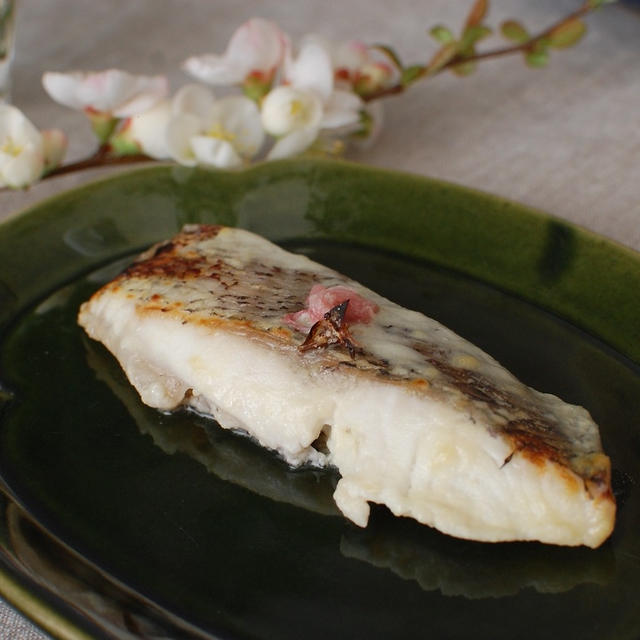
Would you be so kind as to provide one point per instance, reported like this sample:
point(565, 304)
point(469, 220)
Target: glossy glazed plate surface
point(121, 521)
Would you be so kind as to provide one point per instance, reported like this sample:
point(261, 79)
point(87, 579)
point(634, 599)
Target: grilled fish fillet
point(412, 415)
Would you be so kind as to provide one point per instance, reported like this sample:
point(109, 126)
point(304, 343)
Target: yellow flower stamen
point(296, 107)
point(218, 132)
point(11, 148)
point(300, 110)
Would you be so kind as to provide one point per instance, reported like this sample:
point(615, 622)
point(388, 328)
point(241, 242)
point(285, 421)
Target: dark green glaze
point(216, 536)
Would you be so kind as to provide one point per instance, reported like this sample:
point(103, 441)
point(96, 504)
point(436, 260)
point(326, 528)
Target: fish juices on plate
point(324, 371)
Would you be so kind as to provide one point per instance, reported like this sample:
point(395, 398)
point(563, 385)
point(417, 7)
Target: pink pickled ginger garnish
point(322, 299)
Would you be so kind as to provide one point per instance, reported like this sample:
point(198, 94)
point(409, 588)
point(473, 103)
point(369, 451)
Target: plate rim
point(13, 589)
point(506, 214)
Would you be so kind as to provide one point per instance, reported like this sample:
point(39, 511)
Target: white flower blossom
point(299, 110)
point(25, 153)
point(147, 132)
point(218, 133)
point(312, 98)
point(256, 48)
point(114, 92)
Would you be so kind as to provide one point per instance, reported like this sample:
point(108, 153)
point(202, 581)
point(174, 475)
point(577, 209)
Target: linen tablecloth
point(564, 139)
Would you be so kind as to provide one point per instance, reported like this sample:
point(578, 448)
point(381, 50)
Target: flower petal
point(258, 44)
point(349, 56)
point(312, 68)
point(342, 109)
point(14, 125)
point(63, 88)
point(194, 99)
point(216, 70)
point(147, 92)
point(111, 91)
point(23, 169)
point(148, 130)
point(180, 130)
point(240, 118)
point(215, 152)
point(21, 149)
point(294, 143)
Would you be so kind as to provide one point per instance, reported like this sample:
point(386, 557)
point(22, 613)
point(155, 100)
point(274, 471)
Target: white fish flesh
point(325, 372)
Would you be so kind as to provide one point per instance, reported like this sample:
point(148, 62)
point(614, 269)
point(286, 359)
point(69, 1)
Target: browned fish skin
point(180, 278)
point(533, 432)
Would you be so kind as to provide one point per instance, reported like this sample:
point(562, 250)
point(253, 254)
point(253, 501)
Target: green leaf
point(442, 34)
point(6, 13)
point(391, 54)
point(567, 34)
point(442, 57)
point(514, 31)
point(596, 4)
point(472, 35)
point(366, 125)
point(478, 13)
point(537, 59)
point(412, 73)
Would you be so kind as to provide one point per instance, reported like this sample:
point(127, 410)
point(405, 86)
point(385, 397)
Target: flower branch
point(101, 158)
point(461, 57)
point(314, 99)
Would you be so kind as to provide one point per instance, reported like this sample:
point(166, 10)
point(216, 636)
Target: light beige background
point(565, 139)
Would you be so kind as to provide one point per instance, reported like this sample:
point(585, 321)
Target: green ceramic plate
point(120, 521)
